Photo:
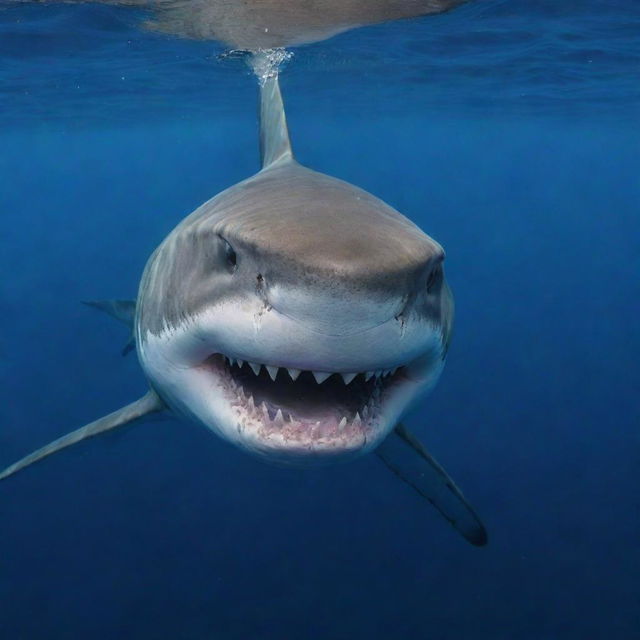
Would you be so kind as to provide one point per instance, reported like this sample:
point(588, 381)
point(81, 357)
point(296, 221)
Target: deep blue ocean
point(509, 131)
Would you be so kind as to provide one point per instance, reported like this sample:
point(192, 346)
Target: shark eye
point(230, 255)
point(435, 277)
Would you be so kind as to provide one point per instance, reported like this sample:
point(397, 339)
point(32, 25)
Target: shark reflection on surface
point(253, 25)
point(265, 24)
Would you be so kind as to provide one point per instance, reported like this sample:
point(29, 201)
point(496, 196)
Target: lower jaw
point(309, 441)
point(300, 443)
point(297, 448)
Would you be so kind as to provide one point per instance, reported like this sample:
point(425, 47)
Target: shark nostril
point(260, 288)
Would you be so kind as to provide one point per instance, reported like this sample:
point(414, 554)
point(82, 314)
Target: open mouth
point(295, 409)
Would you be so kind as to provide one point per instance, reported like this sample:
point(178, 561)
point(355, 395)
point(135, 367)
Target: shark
point(297, 317)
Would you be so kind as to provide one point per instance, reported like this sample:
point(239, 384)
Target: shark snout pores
point(339, 308)
point(329, 282)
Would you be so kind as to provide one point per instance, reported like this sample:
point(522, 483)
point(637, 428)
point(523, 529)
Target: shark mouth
point(304, 412)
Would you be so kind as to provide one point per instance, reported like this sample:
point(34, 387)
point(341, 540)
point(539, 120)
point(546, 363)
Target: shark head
point(295, 315)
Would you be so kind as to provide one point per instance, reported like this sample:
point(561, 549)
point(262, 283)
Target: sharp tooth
point(265, 411)
point(251, 404)
point(241, 363)
point(369, 375)
point(348, 377)
point(279, 418)
point(255, 367)
point(294, 373)
point(273, 372)
point(343, 423)
point(320, 376)
point(357, 421)
point(378, 373)
point(241, 391)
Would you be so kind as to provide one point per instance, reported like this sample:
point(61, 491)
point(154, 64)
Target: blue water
point(508, 131)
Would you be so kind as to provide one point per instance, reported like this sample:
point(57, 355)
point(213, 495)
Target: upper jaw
point(245, 331)
point(273, 371)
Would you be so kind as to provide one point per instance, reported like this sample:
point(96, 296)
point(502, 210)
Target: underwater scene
point(319, 320)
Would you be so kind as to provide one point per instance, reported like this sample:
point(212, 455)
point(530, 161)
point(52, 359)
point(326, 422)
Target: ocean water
point(509, 132)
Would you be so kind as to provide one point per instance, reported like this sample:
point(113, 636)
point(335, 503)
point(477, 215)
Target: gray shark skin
point(297, 317)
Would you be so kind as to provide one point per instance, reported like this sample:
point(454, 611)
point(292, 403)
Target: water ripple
point(94, 63)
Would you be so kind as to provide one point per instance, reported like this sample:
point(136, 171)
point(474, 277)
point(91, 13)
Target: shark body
point(297, 317)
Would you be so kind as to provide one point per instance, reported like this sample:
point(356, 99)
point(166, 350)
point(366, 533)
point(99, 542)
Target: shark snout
point(326, 254)
point(333, 312)
point(343, 307)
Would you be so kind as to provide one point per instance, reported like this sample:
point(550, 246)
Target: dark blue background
point(162, 531)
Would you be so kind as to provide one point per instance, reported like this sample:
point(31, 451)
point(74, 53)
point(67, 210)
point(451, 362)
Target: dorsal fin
point(275, 146)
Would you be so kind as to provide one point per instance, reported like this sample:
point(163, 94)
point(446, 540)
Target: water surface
point(508, 131)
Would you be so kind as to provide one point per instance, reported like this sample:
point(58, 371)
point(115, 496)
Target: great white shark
point(297, 317)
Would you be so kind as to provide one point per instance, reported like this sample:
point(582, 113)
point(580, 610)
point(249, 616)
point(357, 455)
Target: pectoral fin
point(122, 310)
point(149, 403)
point(405, 455)
point(129, 347)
